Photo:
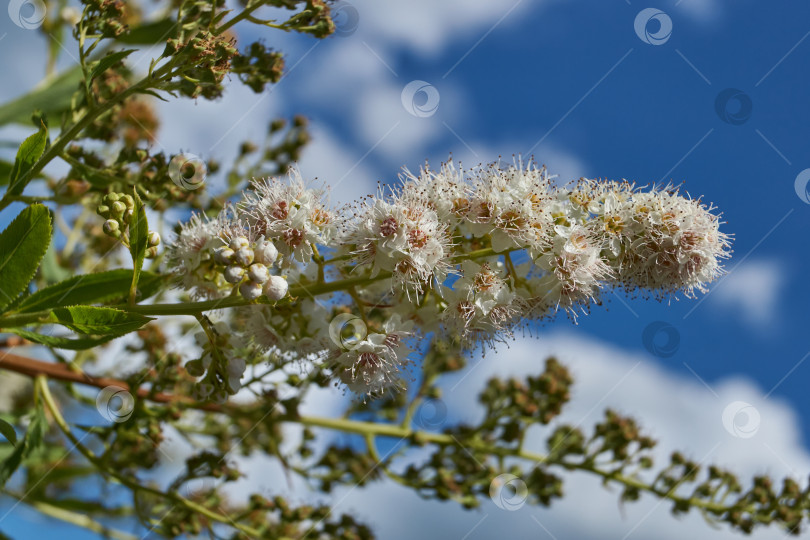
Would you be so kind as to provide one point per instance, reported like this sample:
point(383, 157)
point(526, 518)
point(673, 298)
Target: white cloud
point(337, 166)
point(426, 25)
point(751, 292)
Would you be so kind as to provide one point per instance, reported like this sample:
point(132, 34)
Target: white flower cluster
point(470, 254)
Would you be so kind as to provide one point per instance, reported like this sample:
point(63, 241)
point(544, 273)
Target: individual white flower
point(294, 216)
point(574, 269)
point(407, 241)
point(445, 191)
point(375, 364)
point(510, 204)
point(481, 305)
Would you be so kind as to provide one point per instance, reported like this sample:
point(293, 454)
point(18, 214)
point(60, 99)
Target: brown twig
point(32, 368)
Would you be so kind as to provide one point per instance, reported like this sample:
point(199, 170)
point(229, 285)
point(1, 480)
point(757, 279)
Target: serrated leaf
point(31, 441)
point(7, 430)
point(90, 289)
point(52, 97)
point(138, 241)
point(108, 61)
point(29, 152)
point(98, 321)
point(22, 246)
point(58, 342)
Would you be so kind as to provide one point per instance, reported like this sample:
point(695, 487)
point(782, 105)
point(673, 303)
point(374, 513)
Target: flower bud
point(239, 242)
point(243, 256)
point(258, 273)
point(265, 252)
point(151, 252)
point(234, 274)
point(250, 290)
point(103, 210)
point(153, 239)
point(223, 256)
point(117, 209)
point(276, 288)
point(111, 228)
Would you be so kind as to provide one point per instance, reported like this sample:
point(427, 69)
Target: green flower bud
point(117, 209)
point(112, 228)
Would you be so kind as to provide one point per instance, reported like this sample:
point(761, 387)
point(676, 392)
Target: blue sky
point(575, 84)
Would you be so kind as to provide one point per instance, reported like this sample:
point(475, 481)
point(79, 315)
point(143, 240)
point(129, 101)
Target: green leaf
point(52, 97)
point(5, 171)
point(31, 441)
point(99, 321)
point(22, 246)
point(30, 151)
point(150, 33)
point(7, 430)
point(108, 61)
point(138, 242)
point(90, 289)
point(58, 342)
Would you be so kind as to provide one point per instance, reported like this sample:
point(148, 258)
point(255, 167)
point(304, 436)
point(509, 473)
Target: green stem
point(73, 518)
point(43, 390)
point(373, 430)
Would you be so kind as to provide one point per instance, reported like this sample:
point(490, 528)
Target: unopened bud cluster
point(466, 254)
point(118, 209)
